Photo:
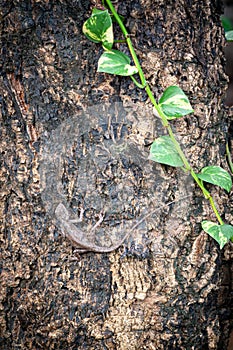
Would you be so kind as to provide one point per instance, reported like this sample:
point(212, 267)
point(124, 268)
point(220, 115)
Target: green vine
point(172, 105)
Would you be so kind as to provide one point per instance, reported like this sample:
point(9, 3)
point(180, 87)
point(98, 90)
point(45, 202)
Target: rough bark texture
point(168, 286)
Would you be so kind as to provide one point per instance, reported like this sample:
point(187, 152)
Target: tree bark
point(168, 285)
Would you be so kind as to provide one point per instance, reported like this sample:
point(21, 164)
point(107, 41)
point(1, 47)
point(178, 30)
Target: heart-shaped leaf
point(216, 176)
point(174, 103)
point(221, 233)
point(98, 28)
point(116, 62)
point(163, 151)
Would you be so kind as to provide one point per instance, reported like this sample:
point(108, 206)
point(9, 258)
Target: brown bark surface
point(168, 286)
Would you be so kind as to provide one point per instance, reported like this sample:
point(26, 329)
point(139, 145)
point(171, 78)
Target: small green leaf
point(229, 35)
point(226, 23)
point(175, 103)
point(221, 233)
point(116, 62)
point(98, 28)
point(216, 176)
point(163, 151)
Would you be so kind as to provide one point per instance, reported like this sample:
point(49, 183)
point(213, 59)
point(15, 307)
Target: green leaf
point(174, 103)
point(163, 151)
point(116, 62)
point(216, 176)
point(226, 23)
point(229, 35)
point(98, 28)
point(221, 233)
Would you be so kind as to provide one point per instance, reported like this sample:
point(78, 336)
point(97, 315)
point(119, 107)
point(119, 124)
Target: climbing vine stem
point(172, 105)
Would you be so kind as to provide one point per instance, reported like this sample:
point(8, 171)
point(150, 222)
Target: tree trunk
point(74, 136)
